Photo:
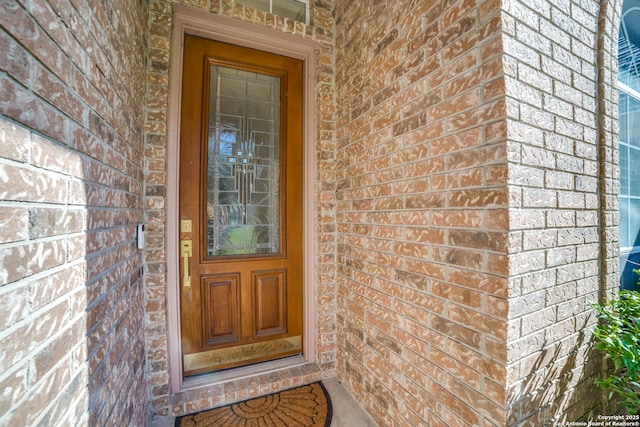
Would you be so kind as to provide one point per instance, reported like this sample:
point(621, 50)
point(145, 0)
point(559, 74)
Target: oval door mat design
point(308, 405)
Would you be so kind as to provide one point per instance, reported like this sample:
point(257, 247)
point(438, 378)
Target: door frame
point(188, 20)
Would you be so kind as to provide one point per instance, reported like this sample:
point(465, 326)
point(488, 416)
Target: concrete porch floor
point(346, 411)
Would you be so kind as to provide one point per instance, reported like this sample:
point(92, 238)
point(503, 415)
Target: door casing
point(187, 20)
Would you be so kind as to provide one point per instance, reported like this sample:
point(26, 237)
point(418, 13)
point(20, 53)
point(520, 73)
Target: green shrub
point(618, 335)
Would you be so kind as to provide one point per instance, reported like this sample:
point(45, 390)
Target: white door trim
point(187, 20)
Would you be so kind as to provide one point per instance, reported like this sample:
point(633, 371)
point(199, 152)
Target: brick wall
point(561, 99)
point(422, 212)
point(466, 195)
point(476, 207)
point(71, 172)
point(162, 401)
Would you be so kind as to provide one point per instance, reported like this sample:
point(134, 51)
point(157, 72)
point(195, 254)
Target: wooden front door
point(240, 206)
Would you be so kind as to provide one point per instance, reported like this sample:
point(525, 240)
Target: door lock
point(186, 252)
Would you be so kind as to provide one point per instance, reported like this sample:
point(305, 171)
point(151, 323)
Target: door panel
point(221, 308)
point(240, 206)
point(270, 298)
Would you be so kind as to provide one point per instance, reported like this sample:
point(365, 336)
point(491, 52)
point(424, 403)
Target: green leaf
point(618, 336)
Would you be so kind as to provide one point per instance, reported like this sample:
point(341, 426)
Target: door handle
point(186, 252)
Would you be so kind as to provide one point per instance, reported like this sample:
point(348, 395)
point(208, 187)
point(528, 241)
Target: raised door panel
point(270, 302)
point(221, 309)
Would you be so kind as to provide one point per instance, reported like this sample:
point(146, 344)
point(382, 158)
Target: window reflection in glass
point(629, 143)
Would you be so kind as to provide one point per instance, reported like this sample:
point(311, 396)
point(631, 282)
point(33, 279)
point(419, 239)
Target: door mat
point(308, 405)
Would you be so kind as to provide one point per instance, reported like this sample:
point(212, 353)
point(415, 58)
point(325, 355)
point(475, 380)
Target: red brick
point(32, 36)
point(15, 61)
point(22, 261)
point(57, 350)
point(22, 106)
point(51, 287)
point(491, 198)
point(14, 223)
point(54, 91)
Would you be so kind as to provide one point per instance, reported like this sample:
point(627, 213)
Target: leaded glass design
point(243, 171)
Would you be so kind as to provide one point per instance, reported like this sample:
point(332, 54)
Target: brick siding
point(71, 162)
point(422, 211)
point(466, 194)
point(560, 210)
point(469, 214)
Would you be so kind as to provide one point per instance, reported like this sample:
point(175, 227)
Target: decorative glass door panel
point(243, 175)
point(240, 206)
